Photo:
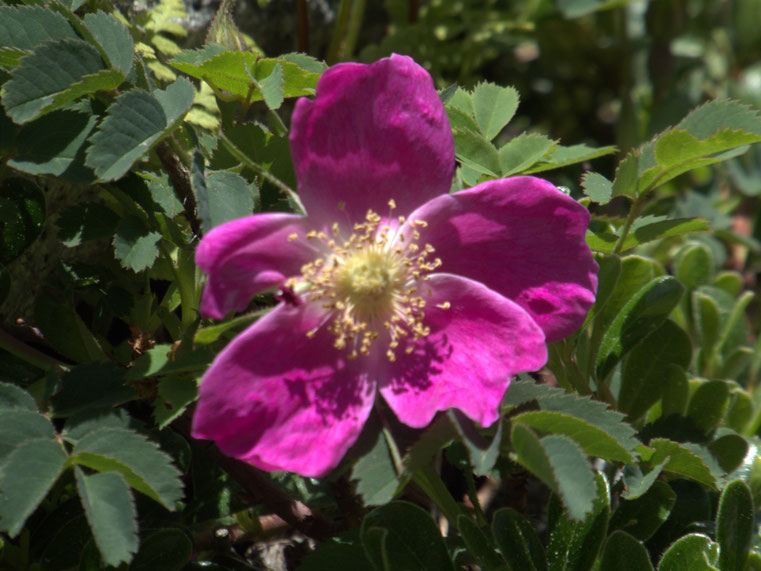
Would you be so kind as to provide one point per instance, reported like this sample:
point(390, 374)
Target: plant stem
point(430, 482)
point(28, 354)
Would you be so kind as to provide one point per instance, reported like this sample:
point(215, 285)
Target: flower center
point(370, 282)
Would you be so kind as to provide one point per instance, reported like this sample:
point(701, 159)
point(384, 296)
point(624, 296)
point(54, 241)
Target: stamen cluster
point(371, 283)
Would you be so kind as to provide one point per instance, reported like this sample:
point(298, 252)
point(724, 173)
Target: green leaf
point(693, 265)
point(65, 331)
point(676, 391)
point(90, 419)
point(111, 514)
point(643, 371)
point(19, 425)
point(232, 71)
point(598, 188)
point(735, 331)
point(681, 461)
point(114, 37)
point(161, 360)
point(480, 546)
point(593, 440)
point(563, 156)
point(92, 386)
point(26, 27)
point(52, 76)
point(708, 404)
point(11, 57)
point(625, 182)
point(272, 87)
point(412, 540)
point(136, 121)
point(635, 272)
point(642, 516)
point(624, 553)
point(735, 526)
point(55, 144)
point(522, 152)
point(518, 541)
point(22, 213)
point(573, 545)
point(493, 107)
point(84, 222)
point(636, 483)
point(645, 229)
point(340, 553)
point(374, 472)
point(482, 453)
point(26, 476)
point(557, 400)
point(176, 393)
point(714, 116)
point(145, 467)
point(474, 151)
point(561, 464)
point(135, 245)
point(694, 551)
point(13, 397)
point(168, 549)
point(643, 313)
point(229, 197)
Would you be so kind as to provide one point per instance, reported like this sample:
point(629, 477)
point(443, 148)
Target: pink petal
point(475, 347)
point(523, 238)
point(245, 256)
point(281, 401)
point(373, 132)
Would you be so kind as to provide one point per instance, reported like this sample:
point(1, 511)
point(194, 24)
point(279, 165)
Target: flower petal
point(523, 238)
point(372, 133)
point(248, 255)
point(281, 401)
point(473, 350)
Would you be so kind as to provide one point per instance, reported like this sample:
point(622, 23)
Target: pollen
point(370, 282)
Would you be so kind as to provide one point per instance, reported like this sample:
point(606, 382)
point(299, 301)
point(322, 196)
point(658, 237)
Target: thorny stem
point(183, 274)
point(633, 211)
point(179, 177)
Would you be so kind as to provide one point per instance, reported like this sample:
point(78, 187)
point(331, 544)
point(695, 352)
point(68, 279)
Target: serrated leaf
point(598, 188)
point(520, 153)
point(643, 370)
point(144, 466)
point(557, 400)
point(231, 72)
point(11, 57)
point(272, 87)
point(694, 551)
point(229, 197)
point(474, 151)
point(642, 516)
point(646, 229)
point(493, 107)
point(625, 183)
point(93, 418)
point(561, 464)
point(84, 222)
point(55, 144)
point(412, 540)
point(135, 246)
point(593, 440)
point(624, 553)
point(111, 514)
point(517, 541)
point(13, 397)
point(563, 156)
point(306, 62)
point(681, 461)
point(721, 114)
point(26, 27)
point(114, 38)
point(22, 213)
point(482, 453)
point(573, 545)
point(735, 526)
point(642, 314)
point(65, 331)
point(26, 476)
point(636, 483)
point(19, 425)
point(53, 75)
point(460, 120)
point(135, 122)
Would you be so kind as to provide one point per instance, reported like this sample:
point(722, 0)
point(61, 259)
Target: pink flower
point(388, 284)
